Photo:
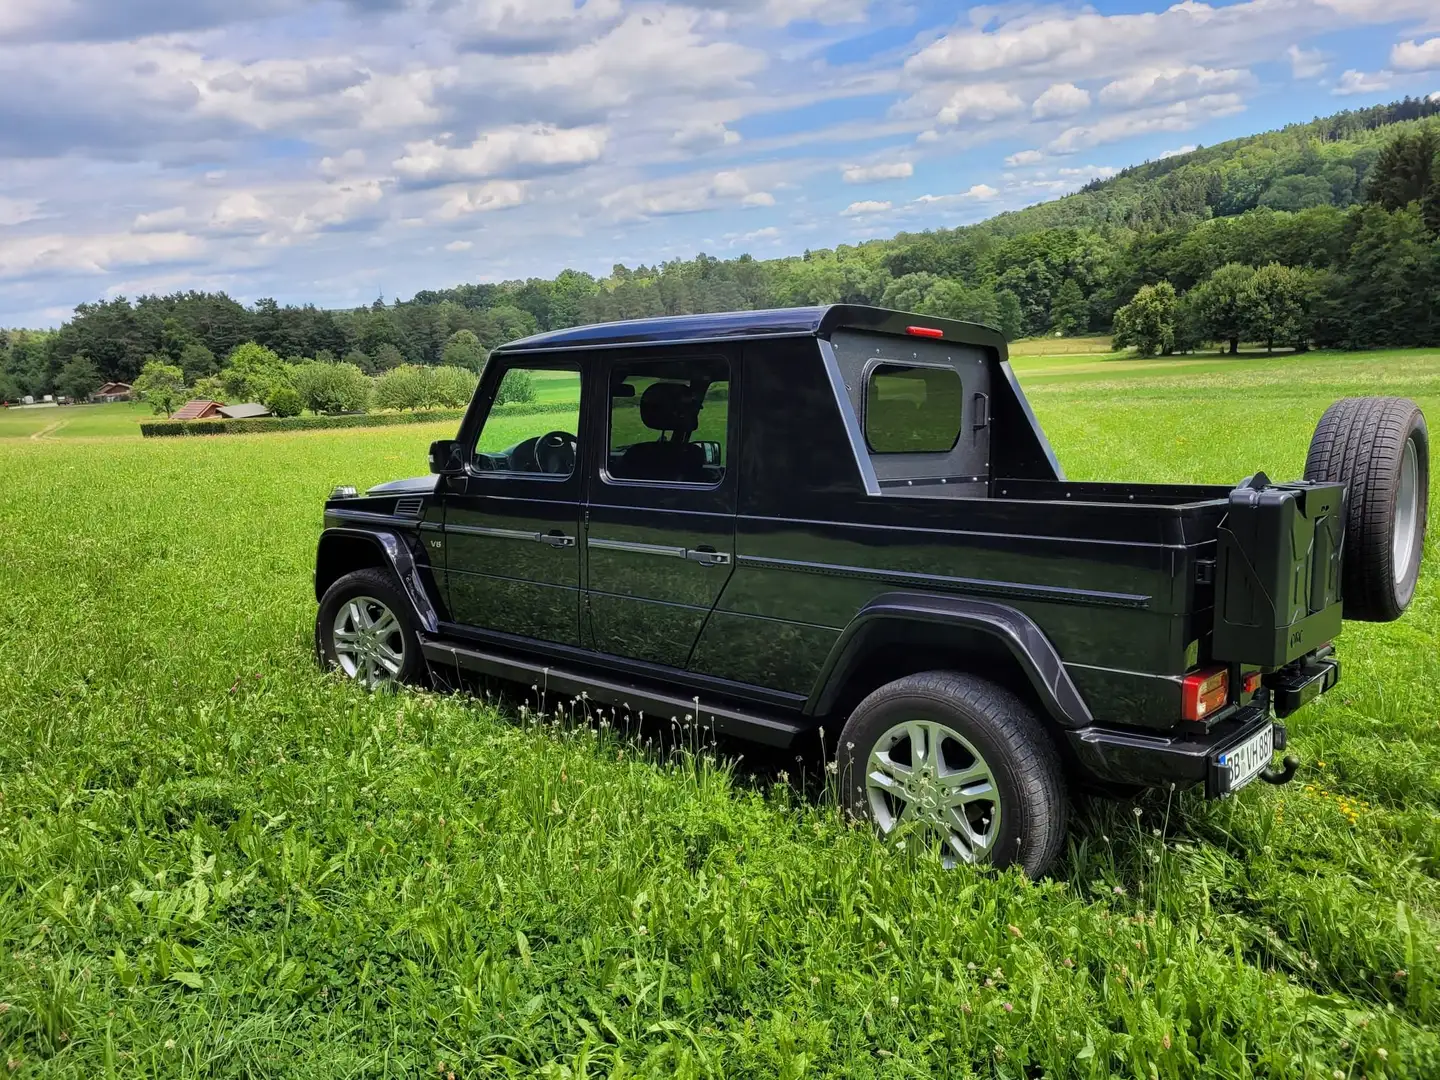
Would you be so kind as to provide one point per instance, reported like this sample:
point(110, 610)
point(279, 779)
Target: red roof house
point(113, 391)
point(198, 410)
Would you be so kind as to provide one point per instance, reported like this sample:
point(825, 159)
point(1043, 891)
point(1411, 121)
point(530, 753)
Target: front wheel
point(363, 630)
point(964, 762)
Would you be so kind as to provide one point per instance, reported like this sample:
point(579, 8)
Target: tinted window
point(668, 421)
point(517, 438)
point(912, 410)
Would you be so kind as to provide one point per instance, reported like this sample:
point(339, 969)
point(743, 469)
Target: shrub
point(284, 401)
point(453, 387)
point(408, 386)
point(516, 388)
point(331, 388)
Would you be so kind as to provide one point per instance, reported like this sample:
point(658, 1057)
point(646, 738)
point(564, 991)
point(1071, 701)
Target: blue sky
point(335, 151)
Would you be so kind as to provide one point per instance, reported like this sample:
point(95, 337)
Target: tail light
point(925, 331)
point(1204, 692)
point(1250, 683)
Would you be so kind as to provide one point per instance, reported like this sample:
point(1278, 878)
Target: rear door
point(660, 513)
point(512, 521)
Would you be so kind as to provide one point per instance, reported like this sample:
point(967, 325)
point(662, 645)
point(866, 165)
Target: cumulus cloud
point(1416, 55)
point(979, 101)
point(698, 135)
point(1186, 149)
point(885, 170)
point(1025, 157)
point(1179, 116)
point(1364, 82)
point(865, 207)
point(512, 150)
point(495, 195)
point(1154, 85)
point(1306, 63)
point(98, 254)
point(1061, 99)
point(685, 195)
point(978, 192)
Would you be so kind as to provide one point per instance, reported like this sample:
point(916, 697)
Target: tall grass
point(215, 861)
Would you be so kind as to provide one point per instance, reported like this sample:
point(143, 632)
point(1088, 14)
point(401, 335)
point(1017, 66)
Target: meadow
point(216, 861)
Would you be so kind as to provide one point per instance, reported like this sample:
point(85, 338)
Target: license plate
point(1245, 762)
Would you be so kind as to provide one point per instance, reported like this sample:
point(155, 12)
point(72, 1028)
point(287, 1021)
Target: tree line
point(1336, 222)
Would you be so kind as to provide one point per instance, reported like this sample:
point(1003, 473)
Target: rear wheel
point(363, 630)
point(961, 761)
point(1379, 449)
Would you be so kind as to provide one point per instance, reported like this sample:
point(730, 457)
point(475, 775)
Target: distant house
point(243, 412)
point(113, 391)
point(198, 410)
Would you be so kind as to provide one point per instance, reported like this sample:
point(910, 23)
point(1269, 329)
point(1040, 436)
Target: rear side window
point(912, 410)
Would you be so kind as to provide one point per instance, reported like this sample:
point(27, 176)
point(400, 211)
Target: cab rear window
point(912, 410)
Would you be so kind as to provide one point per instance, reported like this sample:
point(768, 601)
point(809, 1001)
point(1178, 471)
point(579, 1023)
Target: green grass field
point(75, 421)
point(215, 861)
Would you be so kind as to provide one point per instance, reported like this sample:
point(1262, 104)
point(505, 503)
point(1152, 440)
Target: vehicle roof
point(773, 322)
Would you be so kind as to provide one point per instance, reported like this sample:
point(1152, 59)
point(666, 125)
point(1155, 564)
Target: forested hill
point(1341, 214)
point(1322, 162)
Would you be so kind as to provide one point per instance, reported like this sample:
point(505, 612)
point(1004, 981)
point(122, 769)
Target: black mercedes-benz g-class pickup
point(850, 517)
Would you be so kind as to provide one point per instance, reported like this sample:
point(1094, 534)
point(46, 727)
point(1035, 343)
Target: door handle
point(708, 557)
point(556, 540)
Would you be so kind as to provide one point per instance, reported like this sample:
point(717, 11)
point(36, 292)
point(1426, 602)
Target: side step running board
point(654, 703)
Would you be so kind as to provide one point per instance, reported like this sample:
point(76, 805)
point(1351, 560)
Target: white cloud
point(94, 254)
point(888, 170)
point(1061, 99)
point(1179, 116)
point(1364, 82)
point(685, 195)
point(698, 135)
point(978, 192)
point(979, 101)
point(459, 245)
point(494, 195)
point(1416, 56)
point(18, 211)
point(1186, 149)
point(1153, 86)
point(505, 151)
point(1306, 63)
point(868, 206)
point(1025, 157)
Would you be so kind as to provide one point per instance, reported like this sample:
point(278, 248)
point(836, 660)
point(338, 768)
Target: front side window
point(533, 423)
point(668, 421)
point(912, 410)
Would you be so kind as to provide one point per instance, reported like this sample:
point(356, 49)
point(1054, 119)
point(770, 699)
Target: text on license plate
point(1244, 762)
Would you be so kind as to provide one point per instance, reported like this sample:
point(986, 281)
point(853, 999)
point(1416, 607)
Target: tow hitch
point(1283, 775)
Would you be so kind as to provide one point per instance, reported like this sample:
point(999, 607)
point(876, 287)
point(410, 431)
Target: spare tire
point(1380, 450)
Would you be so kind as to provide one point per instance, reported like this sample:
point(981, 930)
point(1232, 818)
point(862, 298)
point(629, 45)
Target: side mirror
point(712, 452)
point(447, 457)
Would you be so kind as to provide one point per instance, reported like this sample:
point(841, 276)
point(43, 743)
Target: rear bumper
point(1119, 756)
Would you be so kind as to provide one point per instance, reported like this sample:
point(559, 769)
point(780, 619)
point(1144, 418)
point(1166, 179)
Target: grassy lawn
point(75, 421)
point(215, 861)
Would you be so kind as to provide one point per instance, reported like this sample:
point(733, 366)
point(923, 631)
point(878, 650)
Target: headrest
point(668, 406)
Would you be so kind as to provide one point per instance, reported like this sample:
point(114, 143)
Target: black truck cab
point(850, 517)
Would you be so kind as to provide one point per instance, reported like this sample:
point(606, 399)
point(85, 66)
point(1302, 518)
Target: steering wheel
point(555, 452)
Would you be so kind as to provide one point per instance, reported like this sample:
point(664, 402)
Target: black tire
point(1362, 443)
point(1001, 729)
point(377, 585)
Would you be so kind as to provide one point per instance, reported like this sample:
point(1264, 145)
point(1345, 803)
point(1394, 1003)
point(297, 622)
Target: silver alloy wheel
point(925, 772)
point(1407, 511)
point(369, 644)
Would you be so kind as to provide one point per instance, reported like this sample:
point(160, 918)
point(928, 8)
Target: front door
point(660, 540)
point(512, 521)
